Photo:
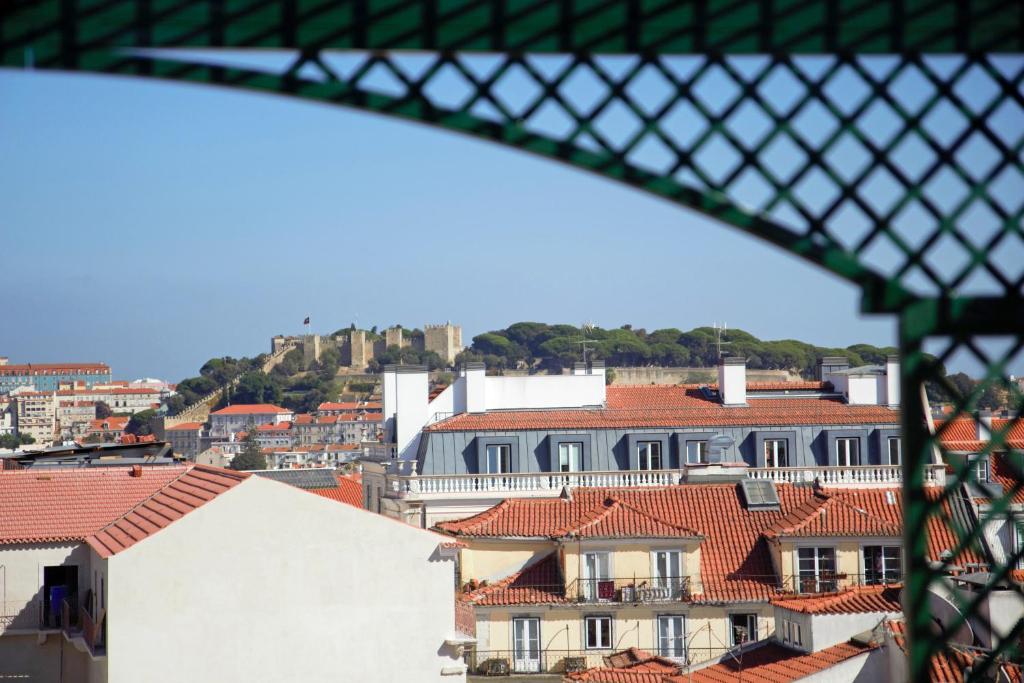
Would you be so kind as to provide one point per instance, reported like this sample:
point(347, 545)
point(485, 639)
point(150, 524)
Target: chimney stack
point(892, 381)
point(732, 381)
point(475, 376)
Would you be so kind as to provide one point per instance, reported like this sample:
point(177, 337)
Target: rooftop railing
point(630, 590)
point(551, 483)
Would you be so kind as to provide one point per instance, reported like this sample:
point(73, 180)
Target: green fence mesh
point(882, 141)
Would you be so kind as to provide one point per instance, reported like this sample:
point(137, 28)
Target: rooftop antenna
point(720, 329)
point(584, 330)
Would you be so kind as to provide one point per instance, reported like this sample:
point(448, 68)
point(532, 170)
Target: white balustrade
point(860, 475)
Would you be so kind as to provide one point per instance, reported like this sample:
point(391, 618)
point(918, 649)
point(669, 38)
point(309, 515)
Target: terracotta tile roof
point(829, 516)
point(614, 518)
point(198, 485)
point(672, 406)
point(303, 419)
point(856, 600)
point(71, 504)
point(109, 424)
point(774, 663)
point(185, 426)
point(252, 409)
point(956, 429)
point(735, 562)
point(349, 490)
point(948, 666)
point(279, 427)
point(629, 666)
point(539, 583)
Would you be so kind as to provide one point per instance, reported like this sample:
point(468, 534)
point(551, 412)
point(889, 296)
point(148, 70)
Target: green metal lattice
point(882, 141)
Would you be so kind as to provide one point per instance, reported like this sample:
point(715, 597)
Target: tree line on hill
point(539, 347)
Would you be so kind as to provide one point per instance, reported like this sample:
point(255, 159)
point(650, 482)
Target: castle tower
point(445, 340)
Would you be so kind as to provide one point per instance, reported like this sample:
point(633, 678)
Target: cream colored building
point(257, 581)
point(35, 414)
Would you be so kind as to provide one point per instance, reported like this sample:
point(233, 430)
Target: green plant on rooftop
point(103, 411)
point(140, 423)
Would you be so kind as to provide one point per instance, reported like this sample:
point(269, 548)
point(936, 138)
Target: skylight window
point(760, 494)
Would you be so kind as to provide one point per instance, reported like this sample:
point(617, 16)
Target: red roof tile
point(735, 562)
point(856, 600)
point(829, 516)
point(198, 485)
point(109, 424)
point(39, 506)
point(349, 490)
point(948, 666)
point(539, 583)
point(1008, 473)
point(629, 666)
point(253, 409)
point(184, 427)
point(279, 427)
point(773, 663)
point(672, 406)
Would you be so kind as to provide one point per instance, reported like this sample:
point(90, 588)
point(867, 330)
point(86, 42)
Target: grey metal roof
point(312, 478)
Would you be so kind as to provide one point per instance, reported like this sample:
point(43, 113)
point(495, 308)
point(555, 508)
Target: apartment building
point(49, 376)
point(195, 573)
point(687, 572)
point(73, 417)
point(120, 398)
point(185, 438)
point(238, 418)
point(35, 414)
point(485, 438)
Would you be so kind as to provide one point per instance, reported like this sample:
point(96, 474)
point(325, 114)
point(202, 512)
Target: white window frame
point(817, 566)
point(845, 456)
point(669, 643)
point(526, 664)
point(590, 591)
point(885, 573)
point(504, 456)
point(772, 450)
point(567, 463)
point(646, 451)
point(899, 450)
point(697, 452)
point(672, 582)
point(1018, 538)
point(982, 473)
point(751, 626)
point(598, 619)
point(791, 632)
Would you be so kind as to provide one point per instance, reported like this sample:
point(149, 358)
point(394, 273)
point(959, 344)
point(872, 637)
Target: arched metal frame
point(806, 198)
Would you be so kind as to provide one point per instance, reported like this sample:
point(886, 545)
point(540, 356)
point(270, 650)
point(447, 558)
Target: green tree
point(139, 423)
point(251, 457)
point(256, 387)
point(103, 411)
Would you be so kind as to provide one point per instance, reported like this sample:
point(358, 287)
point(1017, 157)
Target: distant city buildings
point(49, 376)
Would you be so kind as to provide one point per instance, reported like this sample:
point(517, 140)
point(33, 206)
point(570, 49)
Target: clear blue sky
point(154, 225)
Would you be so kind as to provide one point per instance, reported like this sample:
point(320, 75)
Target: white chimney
point(389, 392)
point(892, 381)
point(475, 377)
point(411, 411)
point(732, 381)
point(984, 425)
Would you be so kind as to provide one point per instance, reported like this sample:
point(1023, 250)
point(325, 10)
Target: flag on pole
point(306, 321)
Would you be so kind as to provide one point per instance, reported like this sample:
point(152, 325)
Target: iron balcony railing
point(21, 615)
point(532, 659)
point(634, 589)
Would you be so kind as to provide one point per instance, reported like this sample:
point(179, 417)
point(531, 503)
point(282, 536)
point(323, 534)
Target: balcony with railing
point(21, 615)
point(547, 484)
point(536, 660)
point(630, 590)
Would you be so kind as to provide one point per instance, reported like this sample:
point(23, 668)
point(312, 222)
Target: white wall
point(271, 583)
point(544, 391)
point(862, 390)
point(831, 629)
point(411, 393)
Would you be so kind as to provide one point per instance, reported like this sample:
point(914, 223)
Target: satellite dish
point(944, 612)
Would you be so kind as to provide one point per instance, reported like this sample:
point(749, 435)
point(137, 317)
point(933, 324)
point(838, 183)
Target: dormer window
point(847, 452)
point(980, 466)
point(649, 455)
point(696, 452)
point(775, 454)
point(894, 451)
